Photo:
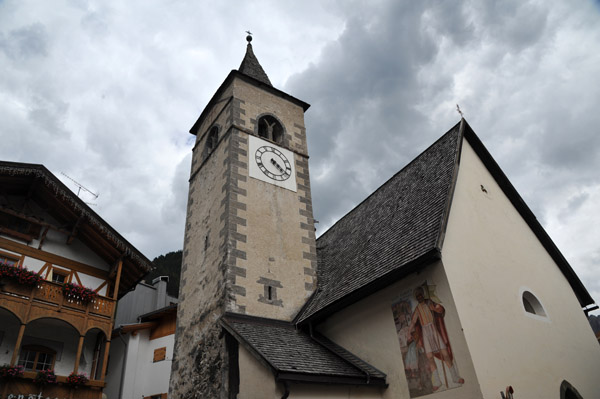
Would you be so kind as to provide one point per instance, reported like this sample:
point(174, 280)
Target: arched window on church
point(532, 304)
point(270, 128)
point(568, 391)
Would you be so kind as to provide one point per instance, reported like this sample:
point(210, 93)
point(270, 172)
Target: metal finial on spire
point(249, 37)
point(459, 111)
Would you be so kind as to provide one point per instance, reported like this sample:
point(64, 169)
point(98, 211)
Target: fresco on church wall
point(427, 355)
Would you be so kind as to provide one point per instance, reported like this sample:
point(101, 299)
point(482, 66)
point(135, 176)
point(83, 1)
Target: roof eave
point(386, 280)
point(132, 328)
point(330, 379)
point(155, 314)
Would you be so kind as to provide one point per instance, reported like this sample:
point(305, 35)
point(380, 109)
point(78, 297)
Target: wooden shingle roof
point(251, 67)
point(400, 228)
point(389, 233)
point(293, 355)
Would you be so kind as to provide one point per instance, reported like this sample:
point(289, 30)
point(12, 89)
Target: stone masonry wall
point(233, 220)
point(199, 367)
point(278, 226)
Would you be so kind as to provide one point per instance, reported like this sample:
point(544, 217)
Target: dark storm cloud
point(363, 125)
point(24, 43)
point(387, 87)
point(517, 24)
point(369, 86)
point(114, 87)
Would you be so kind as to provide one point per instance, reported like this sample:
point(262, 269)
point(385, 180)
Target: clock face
point(273, 163)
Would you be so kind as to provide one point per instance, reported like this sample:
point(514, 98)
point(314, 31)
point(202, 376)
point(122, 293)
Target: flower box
point(45, 377)
point(8, 372)
point(20, 274)
point(76, 380)
point(78, 293)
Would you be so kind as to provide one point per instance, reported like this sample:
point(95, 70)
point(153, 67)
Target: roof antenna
point(81, 187)
point(249, 37)
point(459, 111)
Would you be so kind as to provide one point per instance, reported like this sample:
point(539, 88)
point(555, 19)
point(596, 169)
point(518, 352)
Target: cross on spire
point(459, 111)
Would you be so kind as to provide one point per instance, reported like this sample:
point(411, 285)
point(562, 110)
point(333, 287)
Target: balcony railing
point(50, 292)
point(26, 387)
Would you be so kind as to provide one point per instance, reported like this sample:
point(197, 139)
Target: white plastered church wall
point(367, 329)
point(491, 255)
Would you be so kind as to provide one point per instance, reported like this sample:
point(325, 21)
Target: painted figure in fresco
point(411, 360)
point(428, 323)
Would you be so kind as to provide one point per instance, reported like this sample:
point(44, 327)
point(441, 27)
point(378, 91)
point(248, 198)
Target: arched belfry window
point(532, 304)
point(270, 128)
point(212, 139)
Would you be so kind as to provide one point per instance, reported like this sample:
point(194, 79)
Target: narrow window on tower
point(269, 295)
point(270, 128)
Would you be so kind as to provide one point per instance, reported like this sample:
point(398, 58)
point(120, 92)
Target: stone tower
point(249, 236)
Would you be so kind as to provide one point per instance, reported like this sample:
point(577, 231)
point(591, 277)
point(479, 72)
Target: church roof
point(400, 228)
point(251, 67)
point(293, 355)
point(391, 232)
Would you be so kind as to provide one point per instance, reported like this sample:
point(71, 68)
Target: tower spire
point(250, 65)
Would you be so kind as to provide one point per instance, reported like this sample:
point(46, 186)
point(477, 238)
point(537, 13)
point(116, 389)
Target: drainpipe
point(123, 366)
point(286, 390)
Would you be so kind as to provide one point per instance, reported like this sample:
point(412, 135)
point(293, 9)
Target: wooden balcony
point(47, 299)
point(26, 387)
point(52, 293)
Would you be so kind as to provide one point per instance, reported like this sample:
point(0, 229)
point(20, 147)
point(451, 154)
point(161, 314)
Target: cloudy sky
point(106, 91)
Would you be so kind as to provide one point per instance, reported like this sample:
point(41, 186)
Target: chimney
point(160, 283)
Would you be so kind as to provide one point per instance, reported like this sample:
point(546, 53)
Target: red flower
point(77, 379)
point(78, 292)
point(21, 274)
point(44, 377)
point(8, 371)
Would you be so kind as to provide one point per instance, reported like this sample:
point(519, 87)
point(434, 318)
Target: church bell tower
point(249, 236)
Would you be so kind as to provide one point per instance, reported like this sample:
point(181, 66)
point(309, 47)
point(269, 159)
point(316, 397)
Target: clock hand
point(274, 162)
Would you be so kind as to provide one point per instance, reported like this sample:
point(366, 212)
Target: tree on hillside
point(595, 323)
point(167, 265)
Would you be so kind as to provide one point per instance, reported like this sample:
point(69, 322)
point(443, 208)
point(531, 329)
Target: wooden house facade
point(62, 270)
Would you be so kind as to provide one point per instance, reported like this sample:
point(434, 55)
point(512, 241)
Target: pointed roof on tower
point(249, 71)
point(251, 67)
